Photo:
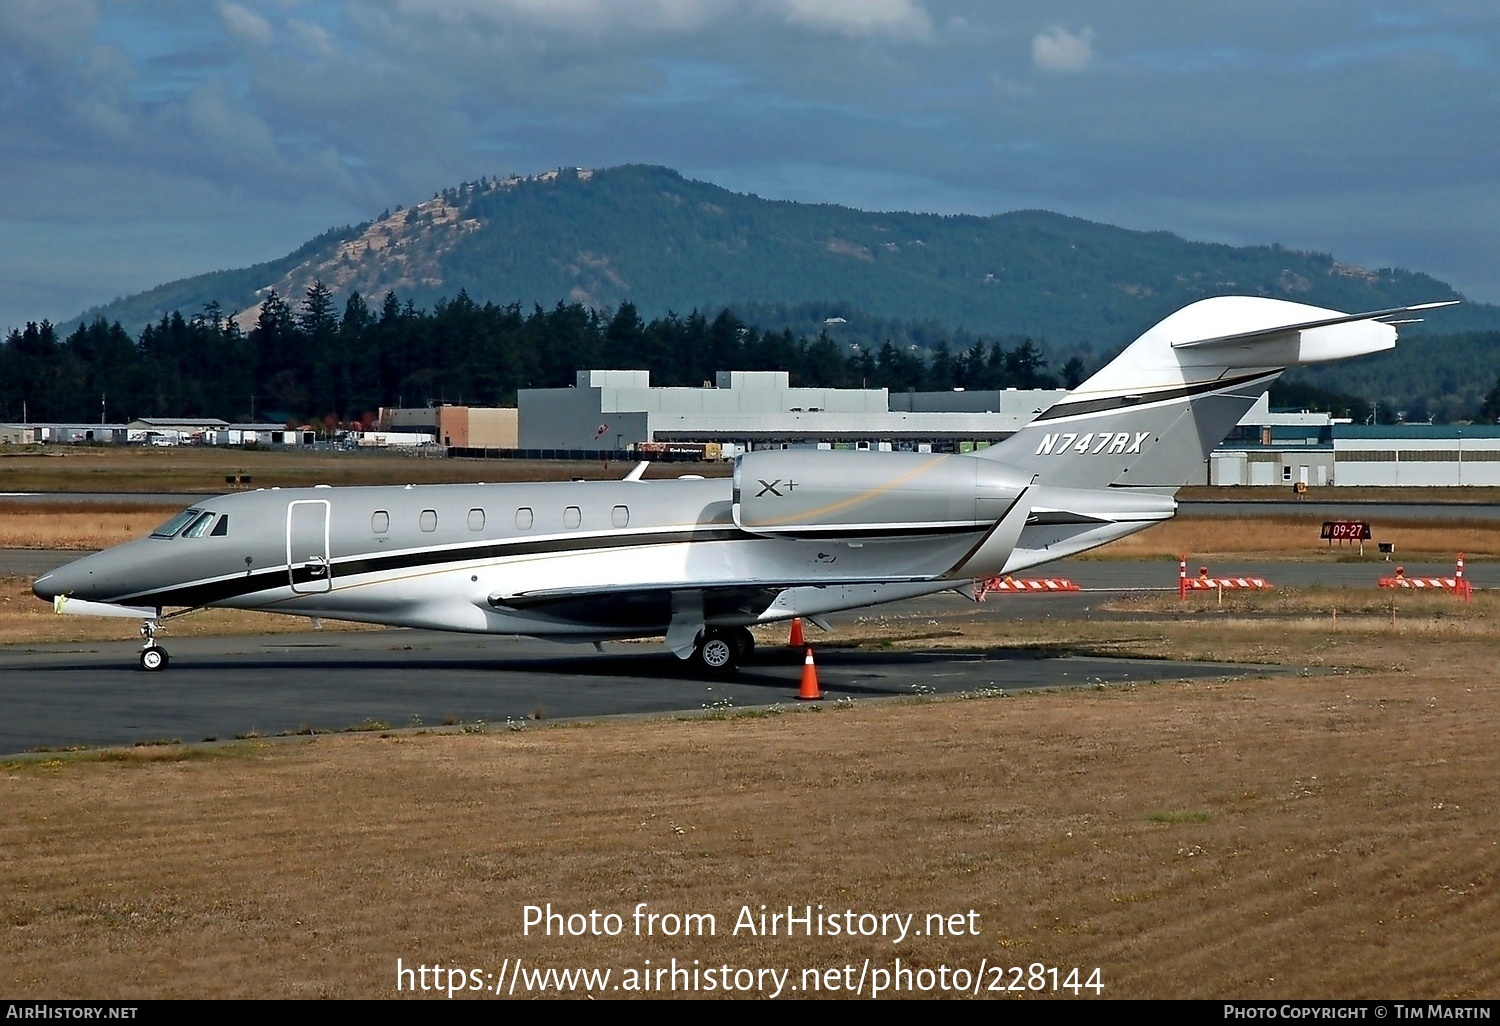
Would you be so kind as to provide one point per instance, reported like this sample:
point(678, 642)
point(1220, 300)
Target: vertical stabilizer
point(1151, 416)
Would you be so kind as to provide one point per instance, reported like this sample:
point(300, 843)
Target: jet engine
point(816, 494)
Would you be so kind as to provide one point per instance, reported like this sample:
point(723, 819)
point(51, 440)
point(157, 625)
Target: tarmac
point(93, 694)
point(220, 688)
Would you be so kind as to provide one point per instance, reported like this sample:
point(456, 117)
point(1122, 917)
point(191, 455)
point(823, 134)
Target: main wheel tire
point(744, 643)
point(717, 653)
point(154, 658)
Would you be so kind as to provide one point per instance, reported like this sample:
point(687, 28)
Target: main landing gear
point(720, 650)
point(153, 656)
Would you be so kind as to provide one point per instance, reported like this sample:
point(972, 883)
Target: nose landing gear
point(153, 656)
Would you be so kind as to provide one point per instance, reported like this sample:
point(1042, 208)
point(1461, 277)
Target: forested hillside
point(315, 361)
point(647, 236)
point(648, 240)
point(318, 362)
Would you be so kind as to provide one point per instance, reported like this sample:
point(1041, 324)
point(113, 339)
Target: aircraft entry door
point(308, 565)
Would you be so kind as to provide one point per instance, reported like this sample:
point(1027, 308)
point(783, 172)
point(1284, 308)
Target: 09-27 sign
point(1346, 530)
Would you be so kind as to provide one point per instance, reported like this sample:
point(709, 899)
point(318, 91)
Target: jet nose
point(76, 580)
point(46, 587)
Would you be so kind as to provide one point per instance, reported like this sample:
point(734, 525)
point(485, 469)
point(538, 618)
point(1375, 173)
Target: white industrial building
point(213, 431)
point(1417, 455)
point(157, 431)
point(614, 410)
point(1272, 448)
point(71, 434)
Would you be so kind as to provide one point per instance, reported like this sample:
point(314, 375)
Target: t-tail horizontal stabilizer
point(1261, 334)
point(1151, 416)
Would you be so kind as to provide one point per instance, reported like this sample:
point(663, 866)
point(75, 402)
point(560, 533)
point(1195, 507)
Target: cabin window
point(620, 516)
point(476, 520)
point(221, 529)
point(380, 521)
point(428, 521)
point(572, 517)
point(524, 518)
point(177, 523)
point(199, 527)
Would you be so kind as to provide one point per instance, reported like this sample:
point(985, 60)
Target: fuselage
point(567, 559)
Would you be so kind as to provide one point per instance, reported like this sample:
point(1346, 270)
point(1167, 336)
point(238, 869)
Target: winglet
point(640, 469)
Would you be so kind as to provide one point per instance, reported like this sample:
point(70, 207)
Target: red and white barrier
point(1456, 584)
point(1029, 585)
point(1203, 582)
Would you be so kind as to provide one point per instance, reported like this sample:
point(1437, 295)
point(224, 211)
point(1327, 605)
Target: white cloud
point(244, 23)
point(49, 30)
point(228, 131)
point(589, 16)
point(906, 19)
point(313, 39)
point(897, 18)
point(97, 115)
point(1057, 49)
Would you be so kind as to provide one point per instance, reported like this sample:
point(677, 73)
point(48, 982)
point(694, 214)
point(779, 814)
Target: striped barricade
point(1028, 585)
point(1456, 584)
point(1204, 582)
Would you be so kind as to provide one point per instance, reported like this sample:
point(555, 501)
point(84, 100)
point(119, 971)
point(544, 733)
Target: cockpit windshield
point(177, 523)
point(199, 527)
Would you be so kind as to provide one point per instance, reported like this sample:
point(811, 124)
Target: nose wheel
point(153, 656)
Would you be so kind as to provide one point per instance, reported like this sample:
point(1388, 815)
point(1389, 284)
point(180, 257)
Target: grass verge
point(1322, 836)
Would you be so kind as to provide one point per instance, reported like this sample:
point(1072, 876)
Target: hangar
point(1338, 453)
point(616, 409)
point(476, 427)
point(1417, 454)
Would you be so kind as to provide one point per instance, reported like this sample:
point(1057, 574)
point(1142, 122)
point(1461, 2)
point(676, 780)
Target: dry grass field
point(26, 620)
point(1324, 834)
point(1278, 537)
point(196, 469)
point(74, 525)
point(1341, 493)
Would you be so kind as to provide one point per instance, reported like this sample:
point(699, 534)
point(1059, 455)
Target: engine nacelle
point(812, 493)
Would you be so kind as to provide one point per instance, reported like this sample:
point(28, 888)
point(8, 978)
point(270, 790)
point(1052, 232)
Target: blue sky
point(145, 141)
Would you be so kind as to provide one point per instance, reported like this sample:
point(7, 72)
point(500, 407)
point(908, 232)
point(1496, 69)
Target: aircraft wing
point(719, 591)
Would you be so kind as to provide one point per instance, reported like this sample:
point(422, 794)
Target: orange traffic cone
point(796, 640)
point(809, 692)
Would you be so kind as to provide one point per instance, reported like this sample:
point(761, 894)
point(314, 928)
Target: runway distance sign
point(1345, 530)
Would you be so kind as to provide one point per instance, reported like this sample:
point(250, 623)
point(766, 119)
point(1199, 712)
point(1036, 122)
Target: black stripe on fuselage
point(206, 592)
point(1122, 402)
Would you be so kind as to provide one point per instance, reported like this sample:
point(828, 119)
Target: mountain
point(648, 236)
